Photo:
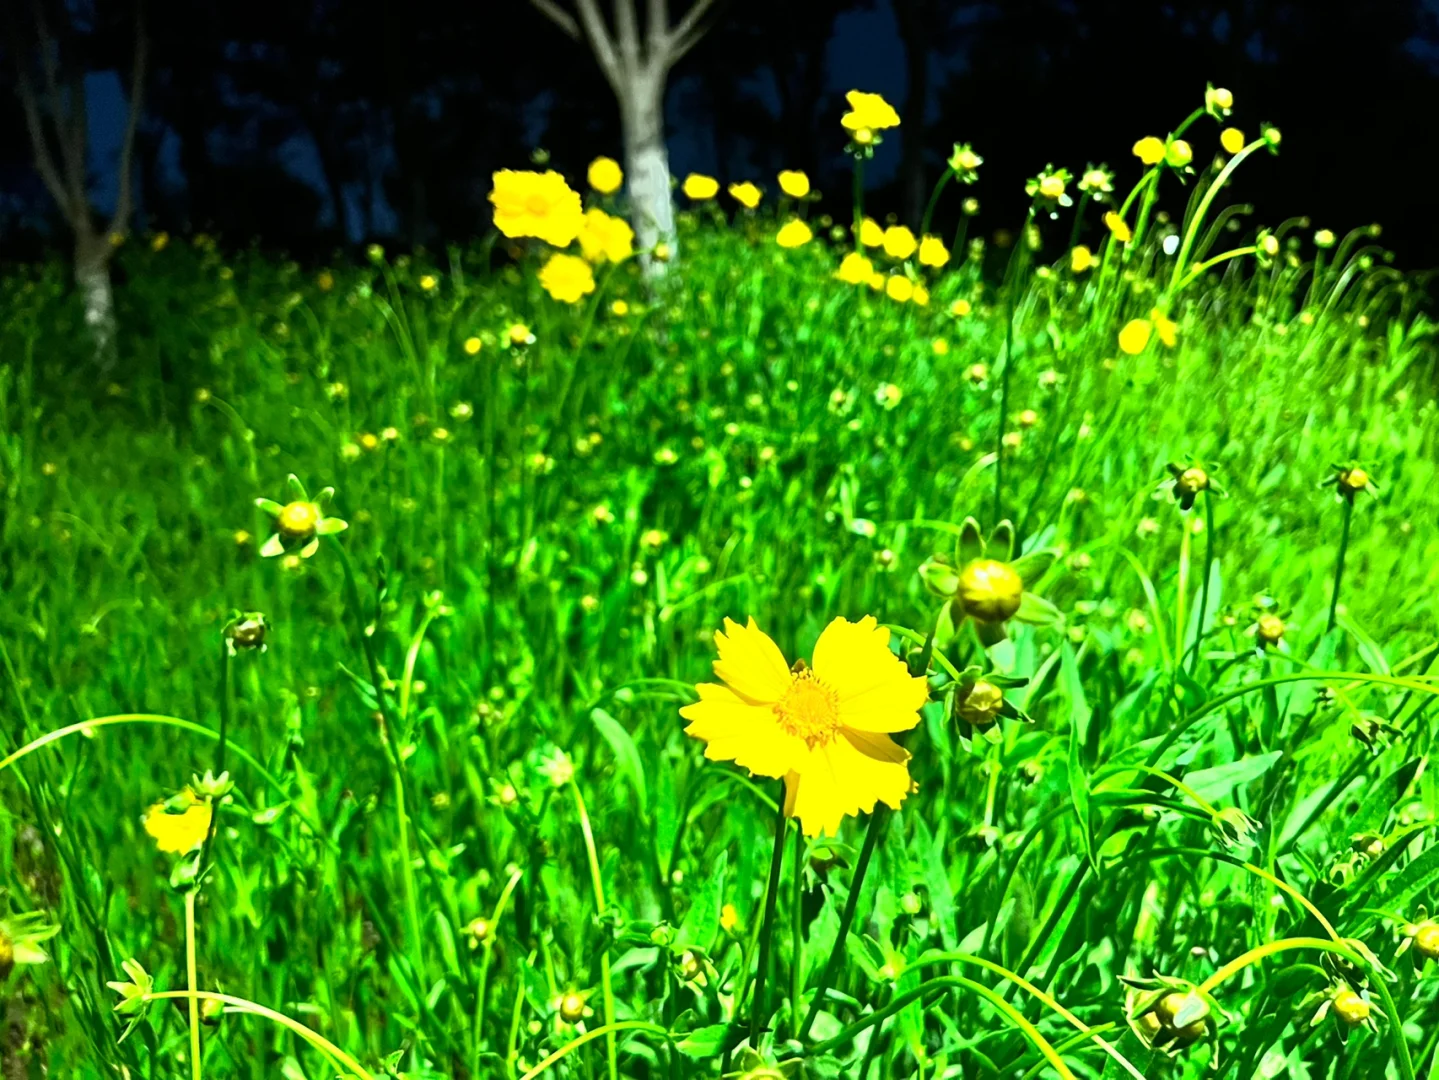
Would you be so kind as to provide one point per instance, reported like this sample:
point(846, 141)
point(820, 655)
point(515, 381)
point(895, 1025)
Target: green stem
point(1204, 585)
point(224, 706)
point(1339, 565)
point(851, 902)
point(1181, 263)
point(606, 986)
point(797, 932)
point(196, 1071)
point(608, 1031)
point(858, 200)
point(944, 179)
point(757, 1004)
point(477, 1026)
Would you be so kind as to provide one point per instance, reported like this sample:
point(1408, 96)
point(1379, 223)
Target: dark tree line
point(310, 123)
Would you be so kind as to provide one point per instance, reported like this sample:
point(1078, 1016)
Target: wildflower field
point(807, 647)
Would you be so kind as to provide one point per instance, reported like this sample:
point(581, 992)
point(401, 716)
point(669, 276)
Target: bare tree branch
point(137, 101)
point(559, 16)
point(39, 146)
point(688, 31)
point(69, 134)
point(604, 48)
point(627, 31)
point(658, 28)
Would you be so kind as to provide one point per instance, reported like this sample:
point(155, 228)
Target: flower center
point(809, 708)
point(537, 205)
point(299, 519)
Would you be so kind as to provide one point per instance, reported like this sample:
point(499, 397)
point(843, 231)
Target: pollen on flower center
point(299, 519)
point(809, 708)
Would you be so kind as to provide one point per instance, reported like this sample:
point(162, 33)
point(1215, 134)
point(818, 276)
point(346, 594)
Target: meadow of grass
point(467, 834)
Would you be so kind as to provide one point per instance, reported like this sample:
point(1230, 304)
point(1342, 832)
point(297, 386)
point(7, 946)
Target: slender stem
point(939, 186)
point(224, 706)
point(477, 1026)
point(196, 1071)
point(858, 200)
point(608, 1031)
point(797, 933)
point(757, 1004)
point(1339, 564)
point(851, 902)
point(606, 987)
point(1204, 585)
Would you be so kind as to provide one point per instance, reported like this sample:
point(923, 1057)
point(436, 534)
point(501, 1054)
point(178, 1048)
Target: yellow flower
point(1135, 336)
point(1081, 259)
point(794, 233)
point(921, 295)
point(746, 194)
point(794, 183)
point(620, 308)
point(1118, 227)
point(729, 918)
point(1168, 331)
point(1051, 186)
point(870, 234)
point(1232, 139)
point(325, 280)
point(605, 175)
point(868, 112)
point(179, 833)
point(536, 204)
point(899, 287)
point(932, 252)
point(876, 281)
point(1179, 153)
point(567, 278)
point(1149, 150)
point(604, 236)
point(940, 347)
point(825, 729)
point(429, 282)
point(473, 346)
point(699, 188)
point(899, 242)
point(1218, 99)
point(159, 241)
point(960, 308)
point(854, 269)
point(519, 334)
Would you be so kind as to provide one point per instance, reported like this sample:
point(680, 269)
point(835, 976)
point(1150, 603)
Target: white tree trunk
point(92, 276)
point(647, 164)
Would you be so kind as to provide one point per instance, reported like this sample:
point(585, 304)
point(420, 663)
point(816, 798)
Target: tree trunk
point(647, 164)
point(92, 276)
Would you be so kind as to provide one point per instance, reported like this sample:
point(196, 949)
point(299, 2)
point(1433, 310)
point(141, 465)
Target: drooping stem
point(606, 987)
point(1339, 565)
point(1204, 584)
point(846, 918)
point(196, 1070)
point(757, 1011)
point(944, 179)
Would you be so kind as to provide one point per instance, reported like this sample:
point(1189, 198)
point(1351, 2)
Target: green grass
point(731, 425)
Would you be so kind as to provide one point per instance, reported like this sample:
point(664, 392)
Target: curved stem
point(851, 902)
point(944, 178)
point(608, 1030)
point(606, 987)
point(1204, 584)
point(477, 1025)
point(1203, 208)
point(314, 1038)
point(1339, 565)
point(192, 980)
point(757, 1008)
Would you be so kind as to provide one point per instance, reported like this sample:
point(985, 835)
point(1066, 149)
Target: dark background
point(307, 124)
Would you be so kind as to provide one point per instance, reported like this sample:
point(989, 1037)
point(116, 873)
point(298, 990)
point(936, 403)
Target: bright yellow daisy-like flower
point(746, 194)
point(932, 252)
point(794, 233)
point(604, 236)
point(536, 204)
point(1149, 150)
point(899, 242)
point(605, 175)
point(899, 288)
point(177, 833)
point(698, 188)
point(1117, 225)
point(854, 269)
point(567, 278)
point(1081, 259)
point(868, 112)
point(1232, 139)
point(794, 183)
point(1135, 336)
point(823, 728)
point(870, 234)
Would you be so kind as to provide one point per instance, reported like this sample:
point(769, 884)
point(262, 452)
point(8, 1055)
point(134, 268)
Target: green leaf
point(705, 1042)
point(701, 922)
point(627, 756)
point(1078, 733)
point(1219, 782)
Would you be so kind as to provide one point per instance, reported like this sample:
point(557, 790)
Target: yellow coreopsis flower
point(698, 187)
point(870, 234)
point(854, 269)
point(794, 183)
point(177, 833)
point(746, 194)
point(1232, 139)
point(1117, 225)
point(567, 278)
point(1081, 259)
point(794, 233)
point(1149, 150)
point(900, 288)
point(604, 236)
point(932, 252)
point(899, 242)
point(868, 112)
point(1135, 336)
point(536, 204)
point(823, 729)
point(605, 175)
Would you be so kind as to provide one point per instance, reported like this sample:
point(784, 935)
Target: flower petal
point(741, 731)
point(750, 662)
point(841, 779)
point(875, 689)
